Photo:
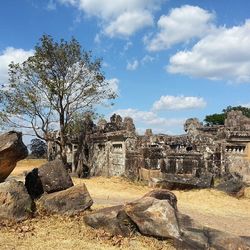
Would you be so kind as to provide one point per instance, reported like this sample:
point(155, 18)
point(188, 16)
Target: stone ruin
point(115, 149)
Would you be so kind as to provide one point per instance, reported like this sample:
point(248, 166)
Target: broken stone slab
point(178, 182)
point(12, 150)
point(154, 217)
point(71, 201)
point(163, 194)
point(111, 219)
point(50, 177)
point(195, 236)
point(15, 202)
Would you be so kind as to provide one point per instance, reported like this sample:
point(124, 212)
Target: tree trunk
point(62, 141)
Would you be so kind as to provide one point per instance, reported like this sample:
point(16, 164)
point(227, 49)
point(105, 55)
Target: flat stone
point(70, 201)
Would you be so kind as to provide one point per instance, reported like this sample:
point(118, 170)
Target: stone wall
point(115, 149)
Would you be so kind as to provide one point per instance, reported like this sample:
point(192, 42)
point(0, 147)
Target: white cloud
point(246, 105)
point(224, 54)
point(127, 46)
point(114, 85)
point(150, 118)
point(179, 102)
point(9, 55)
point(97, 38)
point(128, 23)
point(132, 65)
point(119, 17)
point(180, 25)
point(51, 5)
point(147, 59)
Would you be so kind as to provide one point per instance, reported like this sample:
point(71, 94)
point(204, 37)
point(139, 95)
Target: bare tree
point(46, 90)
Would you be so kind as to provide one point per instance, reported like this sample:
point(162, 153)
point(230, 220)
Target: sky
point(167, 60)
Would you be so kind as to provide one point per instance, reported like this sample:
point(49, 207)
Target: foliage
point(215, 119)
point(219, 119)
point(46, 90)
point(38, 148)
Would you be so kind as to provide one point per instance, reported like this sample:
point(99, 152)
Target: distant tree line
point(219, 118)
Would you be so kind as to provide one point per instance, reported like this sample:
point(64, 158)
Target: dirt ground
point(209, 207)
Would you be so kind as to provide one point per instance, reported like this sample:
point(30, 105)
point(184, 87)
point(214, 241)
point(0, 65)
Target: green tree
point(38, 148)
point(219, 118)
point(215, 119)
point(46, 90)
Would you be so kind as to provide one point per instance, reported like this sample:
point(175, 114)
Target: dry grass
point(26, 165)
point(58, 232)
point(209, 207)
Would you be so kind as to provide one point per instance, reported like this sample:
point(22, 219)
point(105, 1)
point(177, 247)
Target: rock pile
point(48, 189)
point(156, 215)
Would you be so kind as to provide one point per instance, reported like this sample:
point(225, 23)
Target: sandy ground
point(209, 207)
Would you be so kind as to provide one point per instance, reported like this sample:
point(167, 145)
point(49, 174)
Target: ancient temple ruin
point(115, 149)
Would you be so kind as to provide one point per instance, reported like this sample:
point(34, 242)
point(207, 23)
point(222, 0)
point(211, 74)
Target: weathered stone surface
point(12, 150)
point(70, 201)
point(50, 177)
point(232, 187)
point(112, 219)
point(223, 241)
point(194, 236)
point(154, 217)
point(177, 182)
point(15, 202)
point(163, 194)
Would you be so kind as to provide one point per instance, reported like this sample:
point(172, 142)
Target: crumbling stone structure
point(115, 149)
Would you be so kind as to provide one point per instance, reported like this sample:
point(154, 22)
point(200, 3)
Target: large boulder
point(70, 201)
point(154, 217)
point(12, 150)
point(195, 236)
point(111, 219)
point(50, 177)
point(15, 202)
point(163, 194)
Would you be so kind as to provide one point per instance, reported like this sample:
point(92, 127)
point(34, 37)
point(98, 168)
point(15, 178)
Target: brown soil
point(209, 207)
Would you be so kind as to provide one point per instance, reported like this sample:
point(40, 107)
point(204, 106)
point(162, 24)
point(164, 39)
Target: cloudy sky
point(168, 60)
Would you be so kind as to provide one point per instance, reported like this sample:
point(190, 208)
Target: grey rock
point(15, 202)
point(163, 194)
point(112, 219)
point(232, 187)
point(154, 217)
point(50, 177)
point(70, 201)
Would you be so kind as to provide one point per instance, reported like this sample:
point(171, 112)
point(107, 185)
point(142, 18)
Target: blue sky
point(168, 60)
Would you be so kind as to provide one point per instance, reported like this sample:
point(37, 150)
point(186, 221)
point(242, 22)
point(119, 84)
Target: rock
point(194, 236)
point(15, 202)
point(178, 182)
point(70, 201)
point(232, 187)
point(112, 219)
point(12, 150)
point(224, 241)
point(163, 194)
point(50, 177)
point(154, 217)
